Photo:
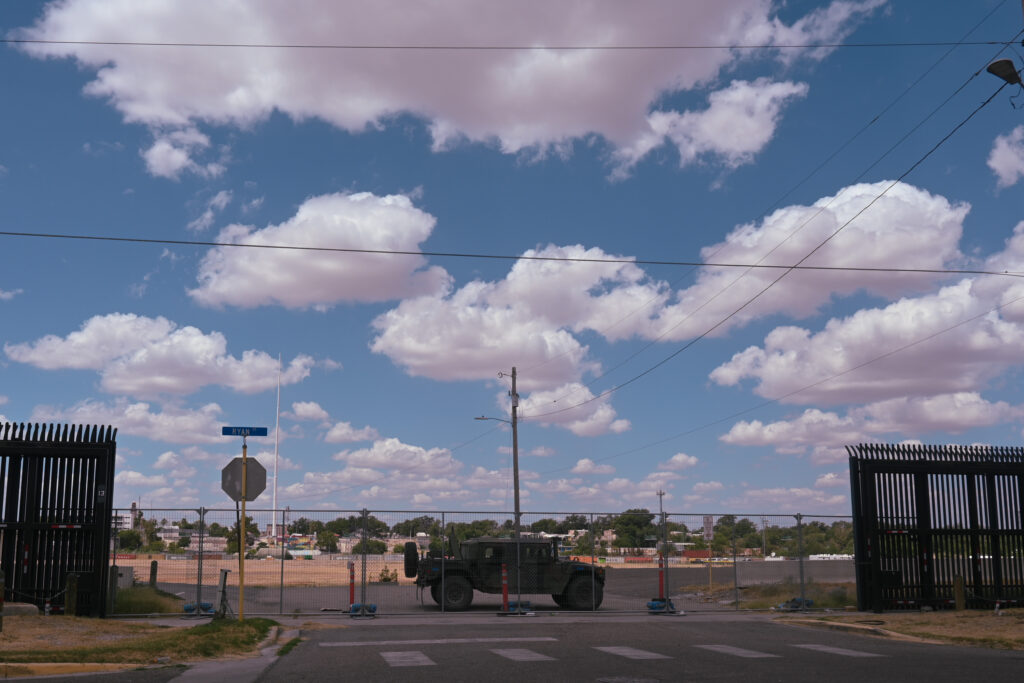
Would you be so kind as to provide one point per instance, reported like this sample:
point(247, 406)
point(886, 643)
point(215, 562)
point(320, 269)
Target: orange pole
point(504, 587)
point(351, 584)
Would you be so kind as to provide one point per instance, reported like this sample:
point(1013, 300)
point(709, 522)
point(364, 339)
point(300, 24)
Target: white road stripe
point(406, 659)
point(440, 641)
point(521, 655)
point(736, 651)
point(631, 653)
point(838, 651)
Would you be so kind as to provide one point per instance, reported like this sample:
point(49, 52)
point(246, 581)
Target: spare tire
point(412, 559)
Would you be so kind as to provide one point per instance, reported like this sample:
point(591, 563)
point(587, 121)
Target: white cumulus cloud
point(344, 432)
point(302, 278)
point(679, 461)
point(588, 466)
point(1007, 157)
point(146, 357)
point(533, 99)
point(170, 424)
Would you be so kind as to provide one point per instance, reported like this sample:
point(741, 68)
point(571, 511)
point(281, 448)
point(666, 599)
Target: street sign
point(255, 479)
point(243, 431)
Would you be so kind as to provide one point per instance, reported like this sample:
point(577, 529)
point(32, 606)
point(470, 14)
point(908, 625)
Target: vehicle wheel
point(412, 559)
point(435, 593)
point(559, 599)
point(583, 594)
point(458, 594)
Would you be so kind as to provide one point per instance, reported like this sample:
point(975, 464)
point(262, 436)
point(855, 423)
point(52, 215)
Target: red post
point(351, 584)
point(504, 587)
point(661, 577)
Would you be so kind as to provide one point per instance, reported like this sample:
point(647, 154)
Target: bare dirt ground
point(266, 572)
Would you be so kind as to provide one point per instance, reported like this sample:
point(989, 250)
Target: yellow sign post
point(236, 482)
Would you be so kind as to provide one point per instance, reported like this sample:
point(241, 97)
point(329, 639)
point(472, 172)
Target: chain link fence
point(359, 561)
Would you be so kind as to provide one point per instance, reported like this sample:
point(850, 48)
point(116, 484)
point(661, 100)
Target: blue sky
point(766, 128)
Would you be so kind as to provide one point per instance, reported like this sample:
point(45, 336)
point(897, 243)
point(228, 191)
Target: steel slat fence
point(930, 518)
point(55, 487)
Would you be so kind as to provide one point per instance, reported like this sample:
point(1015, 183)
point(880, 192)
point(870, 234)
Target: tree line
point(633, 531)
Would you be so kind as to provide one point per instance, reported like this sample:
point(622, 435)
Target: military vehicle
point(476, 564)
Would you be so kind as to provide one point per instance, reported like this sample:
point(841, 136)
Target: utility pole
point(514, 395)
point(515, 446)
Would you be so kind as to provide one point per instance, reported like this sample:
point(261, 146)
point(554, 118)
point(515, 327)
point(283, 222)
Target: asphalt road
point(618, 648)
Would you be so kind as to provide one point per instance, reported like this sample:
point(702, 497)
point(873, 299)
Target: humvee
point(477, 565)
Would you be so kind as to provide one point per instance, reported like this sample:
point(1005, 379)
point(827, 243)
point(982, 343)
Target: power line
point(872, 121)
point(782, 275)
point(497, 48)
point(502, 257)
point(804, 388)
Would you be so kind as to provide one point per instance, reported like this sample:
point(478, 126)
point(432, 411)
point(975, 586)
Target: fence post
point(112, 575)
point(800, 550)
point(199, 561)
point(112, 579)
point(71, 590)
point(362, 593)
point(665, 552)
point(280, 539)
point(444, 556)
point(152, 573)
point(2, 588)
point(735, 571)
point(593, 560)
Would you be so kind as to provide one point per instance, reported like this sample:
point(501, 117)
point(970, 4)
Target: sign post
point(244, 492)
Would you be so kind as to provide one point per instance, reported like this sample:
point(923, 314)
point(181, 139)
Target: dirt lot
point(318, 572)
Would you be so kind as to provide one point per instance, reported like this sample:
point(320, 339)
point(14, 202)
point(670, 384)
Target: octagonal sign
point(255, 479)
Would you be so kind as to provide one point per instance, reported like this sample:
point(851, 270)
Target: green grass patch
point(214, 639)
point(824, 595)
point(288, 647)
point(146, 600)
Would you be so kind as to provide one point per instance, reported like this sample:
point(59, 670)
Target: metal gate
point(927, 517)
point(57, 484)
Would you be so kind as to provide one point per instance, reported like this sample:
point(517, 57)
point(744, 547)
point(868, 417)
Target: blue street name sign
point(243, 431)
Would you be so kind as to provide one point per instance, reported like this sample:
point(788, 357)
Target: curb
point(856, 628)
point(271, 637)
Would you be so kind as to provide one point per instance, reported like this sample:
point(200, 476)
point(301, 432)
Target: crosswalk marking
point(407, 659)
point(736, 651)
point(436, 641)
point(522, 655)
point(838, 651)
point(631, 653)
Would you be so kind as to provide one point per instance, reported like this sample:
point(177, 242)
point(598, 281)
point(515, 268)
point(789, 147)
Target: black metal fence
point(315, 561)
point(55, 488)
point(932, 520)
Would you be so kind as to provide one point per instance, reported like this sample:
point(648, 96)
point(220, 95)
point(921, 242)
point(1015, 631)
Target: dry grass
point(75, 639)
point(1004, 630)
point(58, 632)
